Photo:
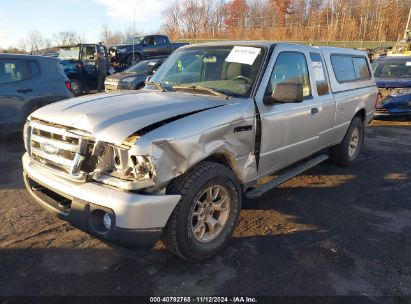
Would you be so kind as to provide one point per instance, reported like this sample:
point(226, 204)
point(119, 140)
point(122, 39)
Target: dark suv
point(79, 64)
point(26, 84)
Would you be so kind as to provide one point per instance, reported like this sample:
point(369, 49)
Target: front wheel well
point(361, 114)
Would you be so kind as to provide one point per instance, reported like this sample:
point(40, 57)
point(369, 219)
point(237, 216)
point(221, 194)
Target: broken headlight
point(118, 168)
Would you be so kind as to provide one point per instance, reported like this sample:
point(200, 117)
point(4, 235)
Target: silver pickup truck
point(176, 159)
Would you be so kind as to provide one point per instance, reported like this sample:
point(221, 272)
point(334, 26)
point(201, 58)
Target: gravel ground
point(330, 231)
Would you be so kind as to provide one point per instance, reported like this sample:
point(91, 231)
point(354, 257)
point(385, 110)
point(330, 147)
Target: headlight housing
point(400, 92)
point(127, 83)
point(117, 167)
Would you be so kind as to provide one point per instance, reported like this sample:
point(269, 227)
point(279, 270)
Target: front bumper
point(137, 220)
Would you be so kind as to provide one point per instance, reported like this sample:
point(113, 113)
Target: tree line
point(35, 43)
point(293, 20)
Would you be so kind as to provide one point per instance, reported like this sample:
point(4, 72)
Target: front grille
point(110, 87)
point(58, 147)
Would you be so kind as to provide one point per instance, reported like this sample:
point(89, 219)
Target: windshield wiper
point(159, 85)
point(200, 88)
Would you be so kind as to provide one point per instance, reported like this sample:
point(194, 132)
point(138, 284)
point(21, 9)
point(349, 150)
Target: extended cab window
point(10, 71)
point(290, 67)
point(349, 68)
point(319, 74)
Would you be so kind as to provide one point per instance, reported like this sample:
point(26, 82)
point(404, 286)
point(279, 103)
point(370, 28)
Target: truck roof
point(27, 57)
point(269, 44)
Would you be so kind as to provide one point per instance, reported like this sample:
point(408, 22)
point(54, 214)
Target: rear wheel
point(77, 87)
point(131, 60)
point(346, 152)
point(205, 217)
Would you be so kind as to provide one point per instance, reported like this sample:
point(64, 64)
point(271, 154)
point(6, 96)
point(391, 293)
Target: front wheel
point(346, 152)
point(205, 217)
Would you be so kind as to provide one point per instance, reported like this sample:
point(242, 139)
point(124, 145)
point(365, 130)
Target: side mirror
point(285, 92)
point(148, 79)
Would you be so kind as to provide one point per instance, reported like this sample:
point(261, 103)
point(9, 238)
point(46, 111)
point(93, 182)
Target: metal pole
point(408, 23)
point(134, 32)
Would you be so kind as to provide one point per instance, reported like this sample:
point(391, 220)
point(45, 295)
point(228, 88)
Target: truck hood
point(119, 46)
point(114, 117)
point(393, 82)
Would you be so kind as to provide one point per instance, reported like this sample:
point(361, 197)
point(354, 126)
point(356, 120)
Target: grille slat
point(58, 148)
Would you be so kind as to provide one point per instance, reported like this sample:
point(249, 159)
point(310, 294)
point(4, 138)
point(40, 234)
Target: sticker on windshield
point(210, 59)
point(243, 54)
point(318, 71)
point(408, 63)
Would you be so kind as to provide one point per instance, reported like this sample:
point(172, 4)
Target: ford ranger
point(176, 159)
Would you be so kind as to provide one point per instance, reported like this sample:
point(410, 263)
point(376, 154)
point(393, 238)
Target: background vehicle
point(26, 84)
point(173, 160)
point(145, 47)
point(78, 62)
point(393, 77)
point(134, 77)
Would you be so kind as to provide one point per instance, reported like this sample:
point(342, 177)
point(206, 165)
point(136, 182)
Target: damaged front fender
point(227, 131)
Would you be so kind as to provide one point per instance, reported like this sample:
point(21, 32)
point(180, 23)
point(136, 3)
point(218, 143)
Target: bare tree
point(65, 38)
point(35, 41)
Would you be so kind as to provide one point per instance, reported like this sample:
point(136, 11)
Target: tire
point(187, 233)
point(77, 87)
point(129, 60)
point(345, 153)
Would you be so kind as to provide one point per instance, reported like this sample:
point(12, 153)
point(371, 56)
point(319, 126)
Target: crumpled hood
point(393, 82)
point(114, 117)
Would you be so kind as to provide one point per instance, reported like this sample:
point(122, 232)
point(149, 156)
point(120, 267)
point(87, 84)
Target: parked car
point(134, 77)
point(175, 159)
point(141, 48)
point(393, 77)
point(79, 64)
point(26, 84)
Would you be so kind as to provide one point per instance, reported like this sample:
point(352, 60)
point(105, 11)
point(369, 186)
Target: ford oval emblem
point(49, 148)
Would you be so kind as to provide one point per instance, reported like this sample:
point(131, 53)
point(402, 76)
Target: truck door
point(163, 45)
point(289, 131)
point(149, 47)
point(89, 56)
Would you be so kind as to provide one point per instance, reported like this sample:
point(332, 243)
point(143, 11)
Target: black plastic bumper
point(391, 116)
point(88, 217)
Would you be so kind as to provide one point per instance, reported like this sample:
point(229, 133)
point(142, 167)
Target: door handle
point(24, 90)
point(314, 111)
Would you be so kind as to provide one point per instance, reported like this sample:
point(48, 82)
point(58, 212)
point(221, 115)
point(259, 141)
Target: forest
point(292, 20)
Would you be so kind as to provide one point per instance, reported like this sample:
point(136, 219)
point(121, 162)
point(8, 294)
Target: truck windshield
point(69, 52)
point(137, 40)
point(392, 69)
point(229, 70)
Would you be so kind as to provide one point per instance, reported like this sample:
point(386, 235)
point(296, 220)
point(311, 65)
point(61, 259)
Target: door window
point(10, 71)
point(89, 53)
point(160, 40)
point(149, 41)
point(290, 67)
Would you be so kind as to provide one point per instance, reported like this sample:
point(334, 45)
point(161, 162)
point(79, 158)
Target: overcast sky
point(17, 17)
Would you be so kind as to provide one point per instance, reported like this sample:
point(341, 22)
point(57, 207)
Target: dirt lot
point(331, 231)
